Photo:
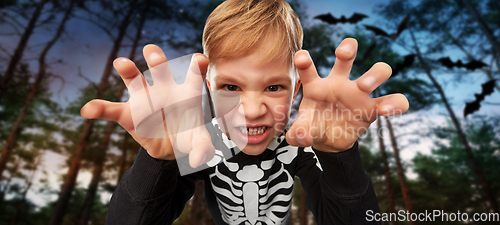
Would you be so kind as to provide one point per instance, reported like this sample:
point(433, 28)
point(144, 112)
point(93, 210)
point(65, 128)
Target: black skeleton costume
point(246, 189)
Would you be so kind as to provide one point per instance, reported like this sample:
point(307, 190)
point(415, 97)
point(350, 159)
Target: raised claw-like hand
point(334, 110)
point(165, 118)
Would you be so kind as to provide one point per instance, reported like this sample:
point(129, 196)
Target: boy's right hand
point(147, 117)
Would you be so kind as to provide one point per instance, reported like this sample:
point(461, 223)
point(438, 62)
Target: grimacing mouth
point(253, 130)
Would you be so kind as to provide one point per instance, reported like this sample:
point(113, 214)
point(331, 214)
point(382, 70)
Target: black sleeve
point(150, 192)
point(341, 192)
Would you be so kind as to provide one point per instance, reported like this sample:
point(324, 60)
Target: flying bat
point(471, 107)
point(379, 32)
point(472, 65)
point(407, 62)
point(368, 52)
point(328, 18)
point(366, 55)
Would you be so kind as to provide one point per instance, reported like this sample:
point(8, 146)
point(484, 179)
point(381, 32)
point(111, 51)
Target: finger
point(393, 104)
point(154, 55)
point(203, 151)
point(127, 70)
point(305, 67)
point(203, 62)
point(112, 111)
point(298, 135)
point(197, 69)
point(157, 63)
point(374, 77)
point(345, 52)
point(301, 134)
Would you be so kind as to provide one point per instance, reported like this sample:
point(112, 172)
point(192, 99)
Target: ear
point(296, 90)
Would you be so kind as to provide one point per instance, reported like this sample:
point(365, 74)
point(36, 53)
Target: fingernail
point(118, 61)
point(203, 159)
point(369, 81)
point(194, 61)
point(207, 159)
point(345, 48)
point(302, 142)
point(306, 56)
point(154, 56)
point(387, 109)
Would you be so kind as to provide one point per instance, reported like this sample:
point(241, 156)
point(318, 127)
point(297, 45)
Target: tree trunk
point(71, 175)
point(18, 53)
point(475, 166)
point(84, 216)
point(387, 171)
point(123, 158)
point(88, 202)
point(25, 192)
point(11, 140)
point(401, 173)
point(199, 210)
point(302, 208)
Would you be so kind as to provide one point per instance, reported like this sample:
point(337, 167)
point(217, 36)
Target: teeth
point(253, 131)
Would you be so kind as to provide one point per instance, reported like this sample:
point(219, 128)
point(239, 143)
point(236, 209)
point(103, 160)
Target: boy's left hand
point(335, 111)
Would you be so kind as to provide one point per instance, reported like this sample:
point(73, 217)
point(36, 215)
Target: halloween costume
point(246, 189)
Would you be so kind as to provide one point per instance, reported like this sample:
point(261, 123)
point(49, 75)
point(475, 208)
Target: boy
point(252, 49)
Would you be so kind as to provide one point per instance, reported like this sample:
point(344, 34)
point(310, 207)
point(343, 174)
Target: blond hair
point(238, 27)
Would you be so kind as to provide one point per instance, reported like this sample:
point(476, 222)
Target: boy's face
point(266, 90)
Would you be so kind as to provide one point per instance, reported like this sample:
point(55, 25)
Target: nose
point(252, 106)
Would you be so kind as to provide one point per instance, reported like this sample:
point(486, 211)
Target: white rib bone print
point(257, 194)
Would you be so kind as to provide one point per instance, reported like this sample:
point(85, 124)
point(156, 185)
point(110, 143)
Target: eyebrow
point(279, 78)
point(223, 78)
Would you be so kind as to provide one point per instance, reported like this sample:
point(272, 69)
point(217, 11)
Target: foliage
point(448, 166)
point(442, 180)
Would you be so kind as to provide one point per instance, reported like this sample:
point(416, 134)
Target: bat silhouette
point(471, 107)
point(407, 62)
point(328, 18)
point(366, 55)
point(472, 65)
point(379, 32)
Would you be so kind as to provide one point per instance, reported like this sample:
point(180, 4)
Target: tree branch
point(5, 50)
point(87, 79)
point(105, 29)
point(63, 81)
point(14, 23)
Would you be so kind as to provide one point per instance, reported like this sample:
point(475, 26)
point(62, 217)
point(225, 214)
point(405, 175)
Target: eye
point(230, 87)
point(274, 88)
